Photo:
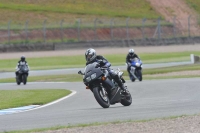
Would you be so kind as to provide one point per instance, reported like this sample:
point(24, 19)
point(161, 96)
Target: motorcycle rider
point(91, 57)
point(22, 61)
point(131, 55)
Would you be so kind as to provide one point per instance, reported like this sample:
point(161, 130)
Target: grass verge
point(112, 8)
point(79, 60)
point(195, 4)
point(65, 128)
point(147, 74)
point(49, 78)
point(18, 98)
point(191, 67)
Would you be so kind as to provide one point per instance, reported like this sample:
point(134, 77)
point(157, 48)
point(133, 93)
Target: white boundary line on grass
point(36, 107)
point(29, 83)
point(56, 101)
point(11, 110)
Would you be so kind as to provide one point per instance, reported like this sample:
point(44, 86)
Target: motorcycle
point(136, 70)
point(106, 91)
point(22, 75)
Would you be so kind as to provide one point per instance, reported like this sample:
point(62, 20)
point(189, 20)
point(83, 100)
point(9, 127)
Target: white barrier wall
point(194, 58)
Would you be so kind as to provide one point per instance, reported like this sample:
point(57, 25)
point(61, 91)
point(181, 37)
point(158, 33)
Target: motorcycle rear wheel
point(102, 100)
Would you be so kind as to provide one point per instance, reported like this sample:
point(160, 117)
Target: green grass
point(18, 12)
point(36, 12)
point(195, 4)
point(90, 26)
point(79, 60)
point(147, 74)
point(112, 8)
point(100, 124)
point(169, 77)
point(171, 69)
point(17, 98)
point(38, 41)
point(49, 78)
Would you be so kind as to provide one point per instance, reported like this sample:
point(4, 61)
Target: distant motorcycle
point(22, 75)
point(136, 70)
point(99, 81)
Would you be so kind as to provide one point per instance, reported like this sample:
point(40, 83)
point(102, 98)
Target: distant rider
point(131, 55)
point(91, 57)
point(21, 62)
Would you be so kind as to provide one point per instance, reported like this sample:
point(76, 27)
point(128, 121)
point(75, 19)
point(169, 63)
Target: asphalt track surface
point(151, 99)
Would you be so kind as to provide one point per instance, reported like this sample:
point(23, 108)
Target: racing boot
point(121, 85)
point(124, 89)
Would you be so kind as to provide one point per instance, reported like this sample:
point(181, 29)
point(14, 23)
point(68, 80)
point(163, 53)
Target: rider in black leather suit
point(91, 57)
point(22, 61)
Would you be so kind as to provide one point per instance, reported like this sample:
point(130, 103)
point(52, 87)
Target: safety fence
point(110, 30)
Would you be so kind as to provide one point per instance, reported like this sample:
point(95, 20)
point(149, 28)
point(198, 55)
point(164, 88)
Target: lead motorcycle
point(106, 91)
point(22, 74)
point(136, 69)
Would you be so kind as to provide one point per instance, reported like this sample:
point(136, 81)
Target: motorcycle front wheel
point(139, 74)
point(24, 78)
point(102, 99)
point(17, 80)
point(133, 79)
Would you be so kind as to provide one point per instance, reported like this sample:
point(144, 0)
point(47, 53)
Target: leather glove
point(129, 64)
point(101, 62)
point(97, 65)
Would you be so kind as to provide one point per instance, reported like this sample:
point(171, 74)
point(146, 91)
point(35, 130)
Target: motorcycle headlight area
point(88, 79)
point(133, 68)
point(93, 75)
point(137, 64)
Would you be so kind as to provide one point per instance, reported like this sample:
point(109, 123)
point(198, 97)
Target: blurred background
point(131, 22)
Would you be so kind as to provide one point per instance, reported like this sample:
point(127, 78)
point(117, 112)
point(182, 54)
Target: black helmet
point(23, 58)
point(90, 55)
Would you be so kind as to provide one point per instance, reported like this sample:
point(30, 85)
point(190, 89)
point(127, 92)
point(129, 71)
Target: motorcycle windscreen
point(91, 72)
point(134, 61)
point(24, 68)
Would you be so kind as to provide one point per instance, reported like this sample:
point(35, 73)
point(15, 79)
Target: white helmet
point(131, 52)
point(90, 55)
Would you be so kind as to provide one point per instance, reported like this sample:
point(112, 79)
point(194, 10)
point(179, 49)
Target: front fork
point(104, 92)
point(132, 71)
